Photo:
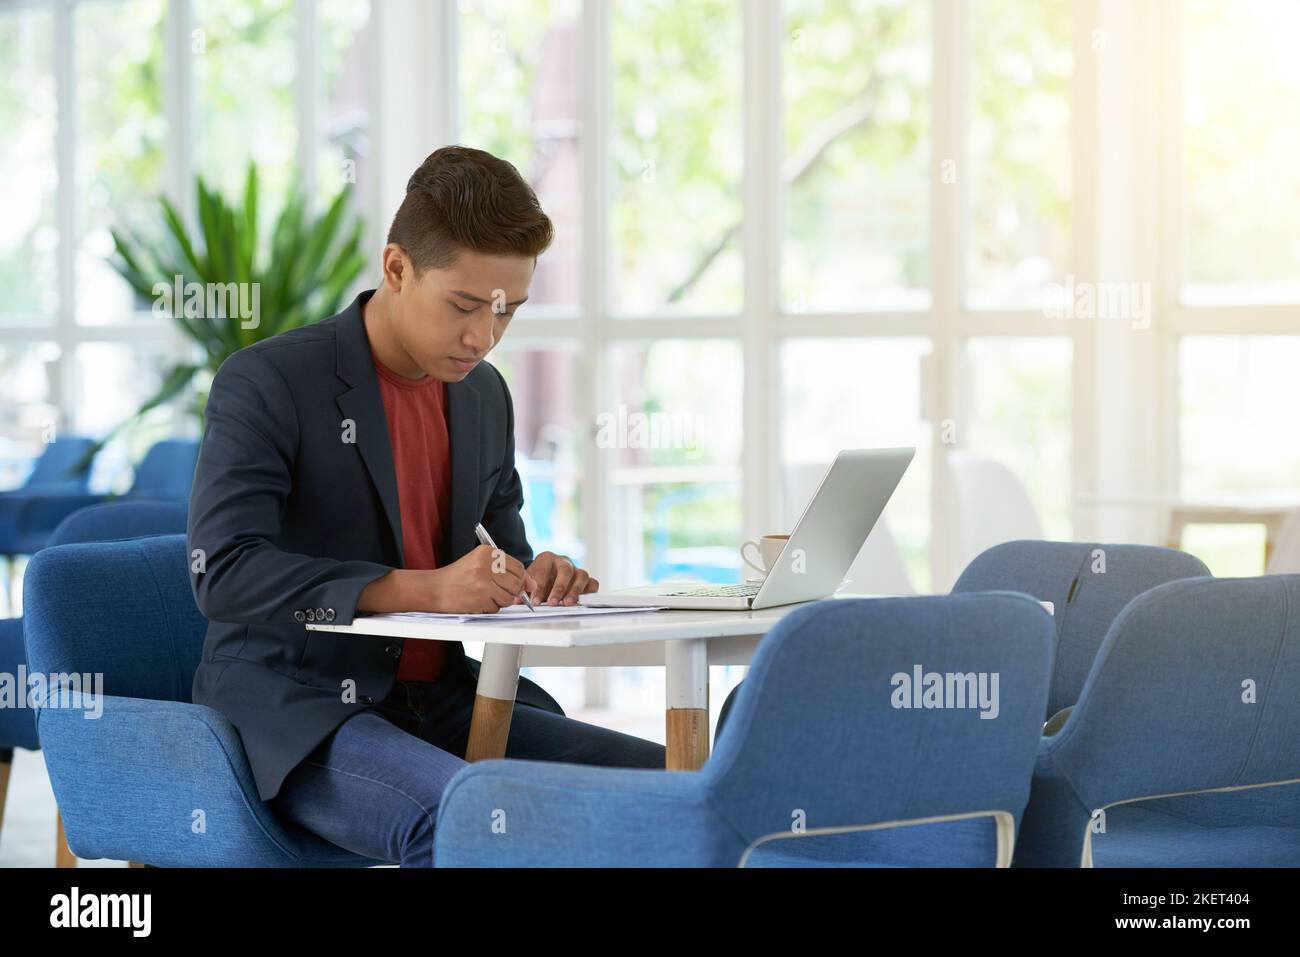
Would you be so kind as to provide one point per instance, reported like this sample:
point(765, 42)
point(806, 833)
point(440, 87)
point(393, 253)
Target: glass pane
point(244, 66)
point(519, 76)
point(856, 165)
point(29, 414)
point(675, 157)
point(28, 236)
point(1238, 396)
point(671, 443)
point(825, 386)
point(1018, 237)
point(1017, 393)
point(548, 445)
point(112, 380)
point(1241, 182)
point(344, 28)
point(121, 130)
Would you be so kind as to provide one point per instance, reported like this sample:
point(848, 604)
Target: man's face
point(448, 319)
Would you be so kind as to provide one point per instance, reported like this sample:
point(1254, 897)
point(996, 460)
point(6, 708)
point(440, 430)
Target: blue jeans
point(374, 785)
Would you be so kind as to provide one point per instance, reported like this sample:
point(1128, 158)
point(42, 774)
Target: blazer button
point(329, 614)
point(311, 615)
point(299, 615)
point(320, 614)
point(393, 651)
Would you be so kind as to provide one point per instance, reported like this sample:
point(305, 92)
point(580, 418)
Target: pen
point(485, 539)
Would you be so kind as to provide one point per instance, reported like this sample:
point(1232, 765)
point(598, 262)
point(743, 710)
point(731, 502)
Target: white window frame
point(762, 326)
point(412, 89)
point(179, 168)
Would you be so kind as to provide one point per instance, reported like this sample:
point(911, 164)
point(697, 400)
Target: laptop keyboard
point(715, 591)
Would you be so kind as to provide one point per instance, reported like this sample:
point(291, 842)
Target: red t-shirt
point(416, 410)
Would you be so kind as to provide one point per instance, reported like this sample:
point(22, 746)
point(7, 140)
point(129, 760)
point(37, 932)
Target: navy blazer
point(294, 511)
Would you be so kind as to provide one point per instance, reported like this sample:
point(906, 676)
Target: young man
point(343, 469)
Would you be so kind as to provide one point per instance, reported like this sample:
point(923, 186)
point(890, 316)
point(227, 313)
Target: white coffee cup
point(768, 549)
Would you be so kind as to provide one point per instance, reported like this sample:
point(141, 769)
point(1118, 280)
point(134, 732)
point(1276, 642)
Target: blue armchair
point(167, 471)
point(26, 520)
point(1181, 750)
point(154, 778)
point(1087, 583)
point(1085, 601)
point(817, 764)
point(56, 469)
point(97, 523)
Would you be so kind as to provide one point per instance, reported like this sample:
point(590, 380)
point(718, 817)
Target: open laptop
point(828, 536)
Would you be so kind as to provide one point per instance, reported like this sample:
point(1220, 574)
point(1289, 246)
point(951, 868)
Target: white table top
point(589, 632)
point(1276, 503)
point(574, 632)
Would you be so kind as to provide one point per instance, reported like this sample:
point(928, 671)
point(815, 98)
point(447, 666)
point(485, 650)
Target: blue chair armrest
point(17, 723)
point(165, 783)
point(542, 814)
point(24, 514)
point(1054, 826)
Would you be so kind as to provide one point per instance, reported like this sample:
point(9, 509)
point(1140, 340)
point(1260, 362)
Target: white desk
point(684, 642)
point(1272, 510)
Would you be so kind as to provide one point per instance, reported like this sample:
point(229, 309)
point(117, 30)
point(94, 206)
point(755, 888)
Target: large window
point(1019, 147)
point(1234, 295)
point(28, 117)
point(93, 128)
point(519, 99)
point(855, 167)
point(674, 157)
point(645, 125)
point(1241, 182)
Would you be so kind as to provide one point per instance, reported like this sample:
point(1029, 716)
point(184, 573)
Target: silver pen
point(485, 539)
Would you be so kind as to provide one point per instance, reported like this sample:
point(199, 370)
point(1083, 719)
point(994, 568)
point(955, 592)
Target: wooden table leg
point(1272, 531)
point(1174, 529)
point(686, 662)
point(494, 702)
point(6, 763)
point(63, 856)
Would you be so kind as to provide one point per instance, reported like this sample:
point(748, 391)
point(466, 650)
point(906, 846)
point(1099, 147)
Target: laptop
point(813, 563)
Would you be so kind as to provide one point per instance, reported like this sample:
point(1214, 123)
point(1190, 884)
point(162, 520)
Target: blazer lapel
point(463, 416)
point(365, 407)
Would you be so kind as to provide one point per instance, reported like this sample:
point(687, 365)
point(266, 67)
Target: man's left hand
point(556, 580)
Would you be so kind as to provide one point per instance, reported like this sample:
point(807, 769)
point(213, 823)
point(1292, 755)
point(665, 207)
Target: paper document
point(513, 612)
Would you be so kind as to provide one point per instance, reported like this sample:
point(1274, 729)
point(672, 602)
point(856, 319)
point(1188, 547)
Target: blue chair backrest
point(1193, 688)
point(121, 519)
point(55, 470)
point(167, 470)
point(1088, 584)
point(122, 609)
point(815, 728)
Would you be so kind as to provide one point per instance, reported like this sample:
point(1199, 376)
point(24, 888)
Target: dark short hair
point(462, 198)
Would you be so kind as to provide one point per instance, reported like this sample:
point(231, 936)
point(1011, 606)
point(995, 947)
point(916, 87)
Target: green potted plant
point(298, 272)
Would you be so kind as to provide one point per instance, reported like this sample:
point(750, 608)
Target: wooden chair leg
point(11, 582)
point(6, 765)
point(63, 856)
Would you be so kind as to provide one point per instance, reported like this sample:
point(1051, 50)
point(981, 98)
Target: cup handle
point(745, 558)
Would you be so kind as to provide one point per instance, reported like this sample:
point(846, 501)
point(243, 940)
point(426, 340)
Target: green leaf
point(303, 268)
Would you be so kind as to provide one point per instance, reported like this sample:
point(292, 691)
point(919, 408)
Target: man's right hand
point(484, 580)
